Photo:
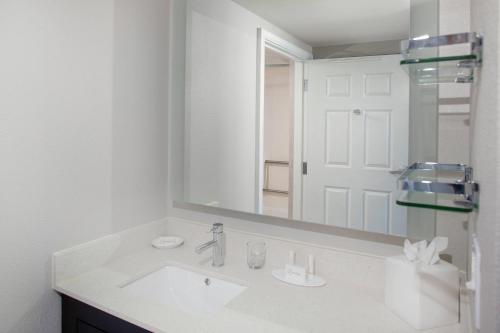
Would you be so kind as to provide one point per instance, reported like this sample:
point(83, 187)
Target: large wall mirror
point(301, 110)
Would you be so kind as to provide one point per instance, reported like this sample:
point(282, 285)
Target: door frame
point(266, 39)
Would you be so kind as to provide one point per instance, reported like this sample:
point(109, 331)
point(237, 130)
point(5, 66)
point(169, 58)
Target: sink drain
point(207, 281)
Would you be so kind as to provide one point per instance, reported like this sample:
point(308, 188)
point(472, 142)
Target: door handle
point(356, 111)
point(396, 172)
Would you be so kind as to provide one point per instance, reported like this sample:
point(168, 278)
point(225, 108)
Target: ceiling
point(335, 22)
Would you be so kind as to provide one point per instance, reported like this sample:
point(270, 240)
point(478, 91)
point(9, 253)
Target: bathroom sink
point(192, 292)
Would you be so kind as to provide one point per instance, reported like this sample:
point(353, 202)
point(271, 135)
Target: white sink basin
point(192, 292)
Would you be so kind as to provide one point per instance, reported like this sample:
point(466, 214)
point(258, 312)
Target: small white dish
point(167, 242)
point(311, 280)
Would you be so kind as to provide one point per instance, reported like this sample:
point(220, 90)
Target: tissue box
point(424, 296)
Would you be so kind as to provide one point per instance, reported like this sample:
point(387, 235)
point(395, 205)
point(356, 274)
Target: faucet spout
point(203, 247)
point(217, 244)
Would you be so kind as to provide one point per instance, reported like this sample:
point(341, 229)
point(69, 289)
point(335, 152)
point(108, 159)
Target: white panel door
point(356, 132)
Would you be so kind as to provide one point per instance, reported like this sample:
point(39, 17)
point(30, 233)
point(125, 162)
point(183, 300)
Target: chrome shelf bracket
point(452, 179)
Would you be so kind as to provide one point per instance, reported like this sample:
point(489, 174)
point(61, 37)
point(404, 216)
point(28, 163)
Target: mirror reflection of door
point(355, 137)
point(357, 114)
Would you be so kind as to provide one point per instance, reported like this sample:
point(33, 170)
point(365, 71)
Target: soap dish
point(167, 242)
point(310, 281)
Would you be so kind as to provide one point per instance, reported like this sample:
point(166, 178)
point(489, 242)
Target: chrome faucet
point(218, 245)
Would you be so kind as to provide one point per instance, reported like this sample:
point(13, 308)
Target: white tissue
point(441, 243)
point(428, 255)
point(413, 251)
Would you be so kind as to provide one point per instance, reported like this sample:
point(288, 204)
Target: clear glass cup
point(256, 254)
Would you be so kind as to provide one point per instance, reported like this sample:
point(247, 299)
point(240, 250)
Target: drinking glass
point(256, 254)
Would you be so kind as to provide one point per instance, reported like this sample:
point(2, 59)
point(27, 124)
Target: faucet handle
point(217, 228)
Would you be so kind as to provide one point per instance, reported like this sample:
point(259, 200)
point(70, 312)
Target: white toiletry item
point(310, 266)
point(291, 257)
point(167, 242)
point(425, 296)
point(310, 280)
point(297, 275)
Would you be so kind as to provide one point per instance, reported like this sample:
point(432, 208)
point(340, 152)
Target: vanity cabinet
point(78, 317)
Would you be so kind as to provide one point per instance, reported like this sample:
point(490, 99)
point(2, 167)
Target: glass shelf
point(437, 201)
point(455, 69)
point(409, 47)
point(425, 68)
point(438, 186)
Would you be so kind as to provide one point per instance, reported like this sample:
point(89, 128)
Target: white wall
point(485, 159)
point(73, 148)
point(177, 101)
point(140, 90)
point(221, 103)
point(278, 101)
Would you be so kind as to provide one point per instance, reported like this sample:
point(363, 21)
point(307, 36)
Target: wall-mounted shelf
point(456, 69)
point(447, 69)
point(438, 186)
point(437, 201)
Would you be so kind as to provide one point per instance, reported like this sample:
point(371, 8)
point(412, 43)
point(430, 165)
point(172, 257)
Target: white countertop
point(267, 305)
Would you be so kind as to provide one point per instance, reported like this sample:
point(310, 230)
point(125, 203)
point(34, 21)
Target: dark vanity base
point(78, 317)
